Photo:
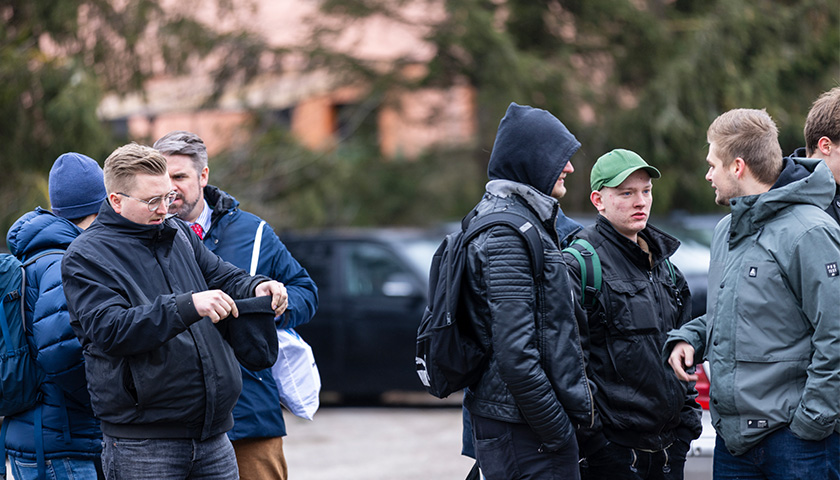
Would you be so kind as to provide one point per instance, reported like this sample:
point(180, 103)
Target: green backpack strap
point(672, 272)
point(586, 256)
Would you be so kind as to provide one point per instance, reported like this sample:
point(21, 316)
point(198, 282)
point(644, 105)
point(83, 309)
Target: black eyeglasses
point(154, 203)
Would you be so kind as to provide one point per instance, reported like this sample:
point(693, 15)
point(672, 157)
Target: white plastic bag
point(296, 375)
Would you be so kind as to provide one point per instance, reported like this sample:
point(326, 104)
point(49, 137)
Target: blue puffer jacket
point(69, 427)
point(231, 236)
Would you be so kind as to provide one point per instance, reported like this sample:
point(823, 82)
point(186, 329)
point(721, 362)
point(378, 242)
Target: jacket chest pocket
point(632, 309)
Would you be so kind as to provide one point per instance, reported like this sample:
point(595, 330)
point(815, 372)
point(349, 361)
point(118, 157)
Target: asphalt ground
point(391, 443)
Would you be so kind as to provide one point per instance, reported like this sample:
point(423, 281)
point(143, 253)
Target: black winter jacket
point(641, 404)
point(155, 368)
point(536, 373)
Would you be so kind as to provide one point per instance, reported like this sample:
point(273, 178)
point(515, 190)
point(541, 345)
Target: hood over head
point(532, 147)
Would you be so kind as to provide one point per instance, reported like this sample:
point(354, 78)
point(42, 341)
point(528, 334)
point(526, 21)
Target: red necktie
point(198, 230)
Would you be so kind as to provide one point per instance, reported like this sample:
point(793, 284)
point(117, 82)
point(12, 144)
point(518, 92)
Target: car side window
point(370, 271)
point(315, 257)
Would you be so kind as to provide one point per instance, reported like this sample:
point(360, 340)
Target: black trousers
point(510, 451)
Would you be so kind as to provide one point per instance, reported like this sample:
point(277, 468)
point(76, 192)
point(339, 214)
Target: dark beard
point(185, 209)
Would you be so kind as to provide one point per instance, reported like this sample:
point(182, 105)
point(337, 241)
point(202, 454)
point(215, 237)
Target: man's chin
point(177, 213)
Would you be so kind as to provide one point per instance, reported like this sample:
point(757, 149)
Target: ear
point(204, 177)
point(597, 200)
point(116, 201)
point(738, 167)
point(824, 145)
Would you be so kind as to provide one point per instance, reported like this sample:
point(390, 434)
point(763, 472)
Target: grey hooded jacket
point(772, 328)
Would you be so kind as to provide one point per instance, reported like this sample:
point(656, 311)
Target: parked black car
point(372, 287)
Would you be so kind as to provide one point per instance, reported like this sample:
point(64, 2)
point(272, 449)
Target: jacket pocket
point(629, 312)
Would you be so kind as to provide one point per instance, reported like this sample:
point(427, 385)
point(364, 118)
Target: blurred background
point(380, 115)
point(383, 112)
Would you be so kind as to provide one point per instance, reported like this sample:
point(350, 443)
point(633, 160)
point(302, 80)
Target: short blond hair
point(752, 135)
point(823, 120)
point(131, 160)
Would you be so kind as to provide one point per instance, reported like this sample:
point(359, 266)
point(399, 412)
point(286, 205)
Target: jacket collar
point(545, 207)
point(220, 201)
point(661, 244)
point(750, 213)
point(121, 225)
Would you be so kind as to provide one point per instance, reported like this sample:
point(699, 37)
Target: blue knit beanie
point(77, 187)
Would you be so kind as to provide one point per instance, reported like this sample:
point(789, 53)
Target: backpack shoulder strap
point(587, 257)
point(523, 226)
point(43, 253)
point(672, 272)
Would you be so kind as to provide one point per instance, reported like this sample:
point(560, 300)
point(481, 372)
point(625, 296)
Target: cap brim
point(616, 180)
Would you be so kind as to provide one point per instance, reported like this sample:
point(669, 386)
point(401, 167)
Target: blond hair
point(128, 161)
point(751, 135)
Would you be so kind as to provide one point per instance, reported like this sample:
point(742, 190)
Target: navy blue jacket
point(155, 367)
point(231, 236)
point(69, 426)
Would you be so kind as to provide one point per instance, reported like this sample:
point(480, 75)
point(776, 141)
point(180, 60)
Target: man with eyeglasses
point(236, 235)
point(148, 302)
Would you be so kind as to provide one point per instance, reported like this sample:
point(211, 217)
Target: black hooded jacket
point(536, 373)
point(155, 367)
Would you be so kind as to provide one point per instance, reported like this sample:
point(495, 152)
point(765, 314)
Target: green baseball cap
point(614, 167)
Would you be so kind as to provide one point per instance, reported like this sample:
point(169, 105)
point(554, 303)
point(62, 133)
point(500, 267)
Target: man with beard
point(150, 305)
point(230, 232)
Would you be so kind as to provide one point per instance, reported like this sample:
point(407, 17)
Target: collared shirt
point(204, 218)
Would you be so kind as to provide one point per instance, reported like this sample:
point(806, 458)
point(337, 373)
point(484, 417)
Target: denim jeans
point(616, 462)
point(780, 456)
point(168, 458)
point(57, 469)
point(510, 451)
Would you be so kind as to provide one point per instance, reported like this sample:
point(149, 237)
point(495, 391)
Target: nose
point(709, 175)
point(569, 168)
point(641, 200)
point(162, 208)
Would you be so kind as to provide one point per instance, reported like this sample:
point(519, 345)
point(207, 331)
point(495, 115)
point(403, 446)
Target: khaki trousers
point(261, 459)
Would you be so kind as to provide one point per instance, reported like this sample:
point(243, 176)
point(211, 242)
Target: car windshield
point(419, 252)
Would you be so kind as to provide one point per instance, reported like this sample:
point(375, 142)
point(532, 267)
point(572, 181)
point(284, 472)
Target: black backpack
point(448, 355)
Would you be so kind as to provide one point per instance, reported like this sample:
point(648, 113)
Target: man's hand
point(215, 304)
point(279, 297)
point(681, 359)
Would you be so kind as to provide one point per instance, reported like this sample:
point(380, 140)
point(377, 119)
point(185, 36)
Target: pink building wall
point(408, 123)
